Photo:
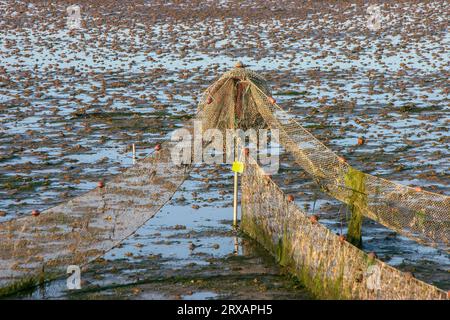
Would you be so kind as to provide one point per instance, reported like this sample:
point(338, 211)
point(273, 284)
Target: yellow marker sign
point(238, 167)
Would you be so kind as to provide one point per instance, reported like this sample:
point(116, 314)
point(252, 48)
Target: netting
point(415, 213)
point(83, 229)
point(329, 267)
point(228, 102)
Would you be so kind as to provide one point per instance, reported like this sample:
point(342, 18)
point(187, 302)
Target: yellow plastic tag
point(238, 167)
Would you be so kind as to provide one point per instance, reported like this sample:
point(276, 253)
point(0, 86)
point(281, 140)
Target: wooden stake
point(134, 154)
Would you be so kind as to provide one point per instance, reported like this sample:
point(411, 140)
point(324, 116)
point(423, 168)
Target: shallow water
point(181, 252)
point(71, 105)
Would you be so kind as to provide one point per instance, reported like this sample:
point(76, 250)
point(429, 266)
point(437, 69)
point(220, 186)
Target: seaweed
point(357, 201)
point(291, 93)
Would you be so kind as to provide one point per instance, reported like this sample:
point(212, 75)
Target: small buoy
point(361, 141)
point(271, 100)
point(239, 64)
point(100, 184)
point(35, 213)
point(209, 100)
point(409, 275)
point(314, 219)
point(136, 290)
point(372, 256)
point(342, 238)
point(341, 159)
point(246, 151)
point(290, 198)
point(158, 147)
point(418, 189)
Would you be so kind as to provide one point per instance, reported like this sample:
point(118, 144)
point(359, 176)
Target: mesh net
point(228, 103)
point(83, 229)
point(417, 214)
point(314, 253)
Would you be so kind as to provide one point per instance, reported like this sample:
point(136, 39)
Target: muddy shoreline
point(71, 102)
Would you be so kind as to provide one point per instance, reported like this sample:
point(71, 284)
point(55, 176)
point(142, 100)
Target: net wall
point(421, 215)
point(327, 266)
point(77, 232)
point(218, 108)
point(412, 212)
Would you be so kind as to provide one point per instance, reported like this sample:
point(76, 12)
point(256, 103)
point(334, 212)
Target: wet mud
point(73, 102)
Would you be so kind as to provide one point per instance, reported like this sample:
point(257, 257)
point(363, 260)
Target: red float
point(314, 219)
point(361, 141)
point(372, 256)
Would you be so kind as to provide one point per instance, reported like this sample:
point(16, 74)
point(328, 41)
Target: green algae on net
point(357, 201)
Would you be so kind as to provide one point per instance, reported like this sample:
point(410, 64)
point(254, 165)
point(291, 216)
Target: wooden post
point(134, 154)
point(355, 180)
point(354, 235)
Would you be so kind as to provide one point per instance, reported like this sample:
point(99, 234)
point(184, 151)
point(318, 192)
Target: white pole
point(235, 187)
point(134, 154)
point(235, 199)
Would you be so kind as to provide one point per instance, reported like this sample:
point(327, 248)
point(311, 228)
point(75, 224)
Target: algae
point(316, 282)
point(357, 201)
point(17, 286)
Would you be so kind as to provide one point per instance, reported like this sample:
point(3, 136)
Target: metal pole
point(235, 199)
point(235, 187)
